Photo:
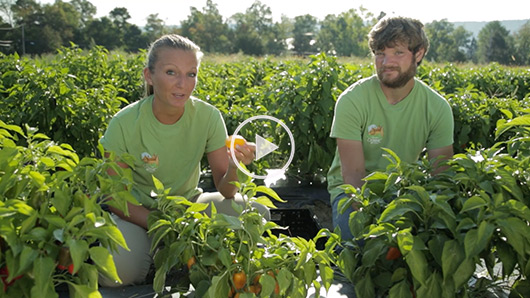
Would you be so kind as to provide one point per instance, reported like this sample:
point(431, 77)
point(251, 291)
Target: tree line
point(28, 27)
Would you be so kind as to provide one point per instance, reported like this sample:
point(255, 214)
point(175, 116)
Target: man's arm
point(444, 153)
point(352, 161)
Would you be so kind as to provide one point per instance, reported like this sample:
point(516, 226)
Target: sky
point(172, 12)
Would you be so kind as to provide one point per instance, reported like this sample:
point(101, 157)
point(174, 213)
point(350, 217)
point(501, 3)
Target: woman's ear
point(147, 76)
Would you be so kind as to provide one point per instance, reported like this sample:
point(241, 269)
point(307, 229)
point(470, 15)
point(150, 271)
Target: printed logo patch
point(375, 134)
point(150, 162)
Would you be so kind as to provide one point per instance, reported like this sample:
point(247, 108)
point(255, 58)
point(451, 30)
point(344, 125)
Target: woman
point(168, 132)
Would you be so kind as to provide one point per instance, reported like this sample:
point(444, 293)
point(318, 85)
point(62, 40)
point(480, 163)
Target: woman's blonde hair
point(173, 41)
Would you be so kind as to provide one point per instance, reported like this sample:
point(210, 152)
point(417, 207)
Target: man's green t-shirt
point(423, 119)
point(171, 153)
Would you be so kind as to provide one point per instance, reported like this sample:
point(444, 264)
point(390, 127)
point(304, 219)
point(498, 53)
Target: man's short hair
point(388, 32)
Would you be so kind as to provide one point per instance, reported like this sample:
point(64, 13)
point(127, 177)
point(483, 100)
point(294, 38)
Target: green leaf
point(26, 259)
point(463, 273)
point(365, 287)
point(507, 257)
point(78, 252)
point(399, 275)
point(67, 153)
point(267, 285)
point(357, 222)
point(229, 221)
point(373, 249)
point(400, 290)
point(197, 207)
point(285, 277)
point(326, 275)
point(347, 263)
point(397, 208)
point(104, 261)
point(115, 235)
point(61, 200)
point(432, 288)
point(43, 268)
point(516, 232)
point(158, 185)
point(55, 220)
point(405, 241)
point(265, 201)
point(465, 224)
point(418, 265)
point(473, 203)
point(270, 192)
point(84, 291)
point(225, 257)
point(39, 180)
point(159, 281)
point(310, 272)
point(519, 121)
point(452, 256)
point(28, 223)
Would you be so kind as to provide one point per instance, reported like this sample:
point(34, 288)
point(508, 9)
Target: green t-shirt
point(172, 153)
point(423, 119)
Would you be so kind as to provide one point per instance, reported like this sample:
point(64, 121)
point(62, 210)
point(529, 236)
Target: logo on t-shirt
point(150, 162)
point(375, 134)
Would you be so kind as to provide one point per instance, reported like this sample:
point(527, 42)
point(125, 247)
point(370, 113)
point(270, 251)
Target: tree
point(446, 42)
point(344, 35)
point(304, 32)
point(119, 16)
point(155, 27)
point(46, 27)
point(207, 29)
point(522, 44)
point(495, 44)
point(256, 33)
point(6, 13)
point(102, 32)
point(85, 9)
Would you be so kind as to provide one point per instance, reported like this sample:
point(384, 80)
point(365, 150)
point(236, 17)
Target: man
point(391, 110)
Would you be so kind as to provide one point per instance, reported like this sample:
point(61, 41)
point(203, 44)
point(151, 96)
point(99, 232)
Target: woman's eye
point(170, 72)
point(192, 75)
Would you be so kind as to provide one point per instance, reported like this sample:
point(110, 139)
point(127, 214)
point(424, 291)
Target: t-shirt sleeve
point(442, 128)
point(113, 139)
point(346, 120)
point(216, 132)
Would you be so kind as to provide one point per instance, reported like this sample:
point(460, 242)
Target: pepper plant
point(473, 215)
point(54, 232)
point(232, 256)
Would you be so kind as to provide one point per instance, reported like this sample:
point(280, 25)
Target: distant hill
point(475, 27)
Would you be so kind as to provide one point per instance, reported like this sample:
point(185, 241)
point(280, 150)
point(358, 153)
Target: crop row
point(72, 95)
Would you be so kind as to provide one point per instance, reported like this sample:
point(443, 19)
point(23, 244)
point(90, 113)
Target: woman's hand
point(244, 153)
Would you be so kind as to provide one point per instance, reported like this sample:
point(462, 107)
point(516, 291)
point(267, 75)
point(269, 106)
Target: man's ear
point(419, 55)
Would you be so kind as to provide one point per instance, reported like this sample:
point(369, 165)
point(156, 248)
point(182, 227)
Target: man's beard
point(402, 79)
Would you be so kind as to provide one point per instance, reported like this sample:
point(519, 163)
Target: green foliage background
point(72, 95)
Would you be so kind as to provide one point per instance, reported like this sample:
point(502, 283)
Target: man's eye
point(192, 75)
point(170, 72)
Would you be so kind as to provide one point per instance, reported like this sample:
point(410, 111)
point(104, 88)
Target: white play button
point(263, 147)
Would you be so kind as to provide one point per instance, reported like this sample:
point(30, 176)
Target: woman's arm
point(137, 214)
point(224, 169)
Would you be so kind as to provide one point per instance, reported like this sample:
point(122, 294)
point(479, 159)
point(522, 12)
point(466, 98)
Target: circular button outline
point(232, 143)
